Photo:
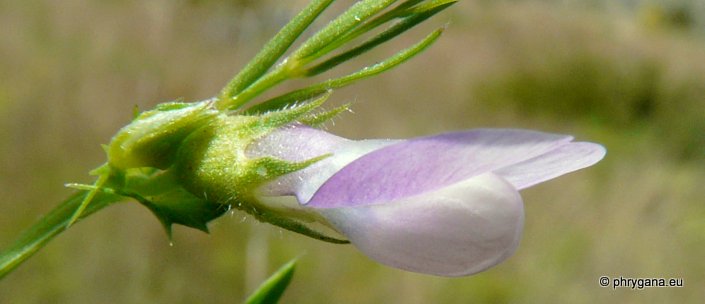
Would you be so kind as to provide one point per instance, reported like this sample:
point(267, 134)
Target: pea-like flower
point(445, 205)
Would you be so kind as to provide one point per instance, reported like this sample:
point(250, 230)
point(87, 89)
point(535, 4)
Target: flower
point(446, 204)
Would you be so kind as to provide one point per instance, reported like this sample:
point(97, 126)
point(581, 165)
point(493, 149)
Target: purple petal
point(459, 230)
point(564, 159)
point(430, 163)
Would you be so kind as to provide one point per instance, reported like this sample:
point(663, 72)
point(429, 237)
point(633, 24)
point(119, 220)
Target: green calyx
point(187, 164)
point(212, 163)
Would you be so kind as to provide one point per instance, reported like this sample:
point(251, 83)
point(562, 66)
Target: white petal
point(458, 230)
point(564, 159)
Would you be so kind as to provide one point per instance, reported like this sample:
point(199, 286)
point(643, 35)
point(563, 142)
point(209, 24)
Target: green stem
point(270, 53)
point(357, 14)
point(282, 72)
point(290, 98)
point(48, 227)
point(236, 93)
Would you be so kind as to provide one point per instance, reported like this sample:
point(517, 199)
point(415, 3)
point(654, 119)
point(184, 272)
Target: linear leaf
point(50, 226)
point(396, 12)
point(290, 98)
point(275, 48)
point(350, 19)
point(399, 28)
point(273, 288)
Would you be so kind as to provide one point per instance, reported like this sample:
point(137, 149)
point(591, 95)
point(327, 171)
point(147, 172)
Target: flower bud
point(152, 139)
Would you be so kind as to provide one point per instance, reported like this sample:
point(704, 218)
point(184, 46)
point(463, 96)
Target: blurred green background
point(627, 74)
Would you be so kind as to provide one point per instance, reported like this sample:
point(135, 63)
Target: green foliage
point(48, 227)
point(186, 161)
point(359, 19)
point(273, 288)
point(409, 19)
point(288, 99)
point(274, 49)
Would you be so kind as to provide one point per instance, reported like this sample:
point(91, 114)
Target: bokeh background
point(627, 74)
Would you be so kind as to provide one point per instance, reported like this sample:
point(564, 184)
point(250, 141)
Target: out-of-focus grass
point(631, 77)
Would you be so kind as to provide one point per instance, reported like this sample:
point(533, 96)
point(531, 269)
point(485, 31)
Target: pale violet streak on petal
point(565, 159)
point(458, 230)
point(310, 179)
point(429, 163)
point(297, 143)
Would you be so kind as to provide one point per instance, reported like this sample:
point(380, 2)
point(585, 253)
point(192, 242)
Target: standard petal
point(562, 160)
point(458, 230)
point(427, 164)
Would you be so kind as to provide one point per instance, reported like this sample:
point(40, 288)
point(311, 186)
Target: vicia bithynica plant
point(446, 204)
